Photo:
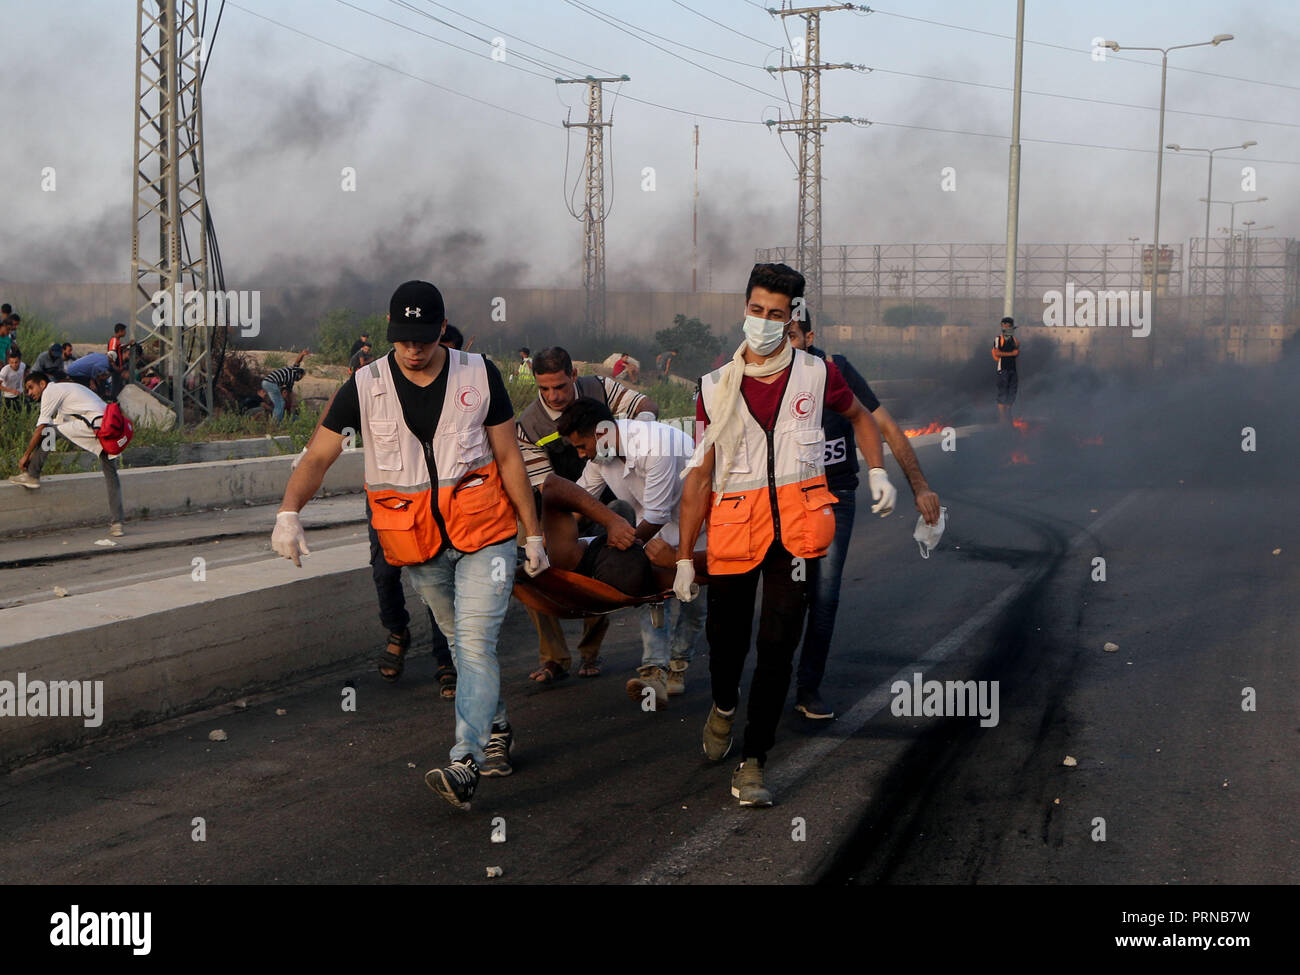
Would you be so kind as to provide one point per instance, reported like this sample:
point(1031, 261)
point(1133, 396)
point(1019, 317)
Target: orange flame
point(1021, 425)
point(1020, 457)
point(935, 426)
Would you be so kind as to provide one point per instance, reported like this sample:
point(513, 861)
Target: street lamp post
point(1209, 192)
point(1249, 259)
point(1232, 223)
point(1160, 147)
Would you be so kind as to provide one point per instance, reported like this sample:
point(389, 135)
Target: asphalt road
point(1192, 788)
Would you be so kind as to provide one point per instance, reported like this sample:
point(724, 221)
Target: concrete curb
point(68, 500)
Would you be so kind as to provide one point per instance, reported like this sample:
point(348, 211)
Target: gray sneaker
point(677, 677)
point(26, 480)
point(747, 784)
point(496, 756)
point(717, 734)
point(653, 678)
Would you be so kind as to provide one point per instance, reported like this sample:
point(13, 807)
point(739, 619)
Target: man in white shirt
point(641, 462)
point(71, 409)
point(11, 380)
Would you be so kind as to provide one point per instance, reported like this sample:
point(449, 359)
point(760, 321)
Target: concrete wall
point(66, 500)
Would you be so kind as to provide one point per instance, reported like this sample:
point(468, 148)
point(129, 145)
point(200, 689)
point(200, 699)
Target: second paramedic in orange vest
point(445, 481)
point(757, 479)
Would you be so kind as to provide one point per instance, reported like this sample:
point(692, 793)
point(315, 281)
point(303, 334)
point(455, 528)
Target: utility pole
point(810, 126)
point(593, 211)
point(695, 218)
point(1013, 176)
point(169, 199)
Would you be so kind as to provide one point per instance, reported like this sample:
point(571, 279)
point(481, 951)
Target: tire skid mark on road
point(786, 774)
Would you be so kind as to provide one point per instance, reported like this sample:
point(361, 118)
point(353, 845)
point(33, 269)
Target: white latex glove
point(684, 585)
point(882, 492)
point(535, 560)
point(289, 539)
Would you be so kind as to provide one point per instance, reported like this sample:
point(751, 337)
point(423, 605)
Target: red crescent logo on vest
point(802, 406)
point(468, 398)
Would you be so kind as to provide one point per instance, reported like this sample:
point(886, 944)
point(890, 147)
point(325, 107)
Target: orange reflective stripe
point(405, 525)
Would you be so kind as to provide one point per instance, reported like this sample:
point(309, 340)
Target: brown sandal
point(548, 673)
point(591, 668)
point(394, 663)
point(446, 678)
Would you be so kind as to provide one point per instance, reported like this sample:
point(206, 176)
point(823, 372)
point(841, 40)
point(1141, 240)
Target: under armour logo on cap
point(415, 313)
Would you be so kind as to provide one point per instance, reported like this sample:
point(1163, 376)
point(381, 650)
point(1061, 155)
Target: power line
point(1075, 50)
point(389, 67)
point(460, 30)
point(1080, 98)
point(610, 20)
point(518, 38)
point(432, 37)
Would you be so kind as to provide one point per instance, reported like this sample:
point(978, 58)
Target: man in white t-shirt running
point(71, 409)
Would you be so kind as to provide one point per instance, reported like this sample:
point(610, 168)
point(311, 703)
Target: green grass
point(16, 429)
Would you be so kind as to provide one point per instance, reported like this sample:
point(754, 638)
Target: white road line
point(785, 775)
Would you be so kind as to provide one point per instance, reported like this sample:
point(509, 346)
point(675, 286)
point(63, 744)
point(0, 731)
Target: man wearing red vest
point(757, 478)
point(445, 481)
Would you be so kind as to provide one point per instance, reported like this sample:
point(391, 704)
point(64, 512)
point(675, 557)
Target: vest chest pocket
point(387, 445)
point(729, 525)
point(810, 446)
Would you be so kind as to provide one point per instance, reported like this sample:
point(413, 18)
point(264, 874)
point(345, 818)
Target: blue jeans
point(469, 593)
point(676, 638)
point(277, 401)
point(824, 577)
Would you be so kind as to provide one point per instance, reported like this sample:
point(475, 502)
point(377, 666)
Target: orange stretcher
point(570, 596)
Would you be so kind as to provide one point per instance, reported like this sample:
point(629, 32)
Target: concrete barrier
point(67, 500)
point(192, 453)
point(171, 646)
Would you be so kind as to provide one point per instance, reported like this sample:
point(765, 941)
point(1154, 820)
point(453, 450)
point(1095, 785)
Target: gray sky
point(456, 190)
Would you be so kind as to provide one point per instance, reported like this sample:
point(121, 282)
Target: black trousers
point(780, 627)
point(392, 600)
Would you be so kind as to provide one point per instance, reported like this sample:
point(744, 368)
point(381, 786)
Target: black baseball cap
point(416, 313)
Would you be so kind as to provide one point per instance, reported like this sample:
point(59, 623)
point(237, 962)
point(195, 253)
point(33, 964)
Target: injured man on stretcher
point(641, 462)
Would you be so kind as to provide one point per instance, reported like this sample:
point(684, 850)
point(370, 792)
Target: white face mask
point(763, 334)
point(927, 536)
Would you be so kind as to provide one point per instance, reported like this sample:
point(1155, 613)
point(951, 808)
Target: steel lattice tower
point(169, 198)
point(809, 127)
point(593, 212)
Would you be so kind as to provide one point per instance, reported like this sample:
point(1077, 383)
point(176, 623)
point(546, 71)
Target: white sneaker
point(26, 480)
point(115, 529)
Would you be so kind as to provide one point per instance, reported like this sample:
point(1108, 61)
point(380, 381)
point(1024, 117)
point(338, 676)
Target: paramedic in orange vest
point(757, 480)
point(445, 481)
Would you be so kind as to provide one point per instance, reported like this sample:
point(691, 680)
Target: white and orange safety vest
point(472, 509)
point(777, 477)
